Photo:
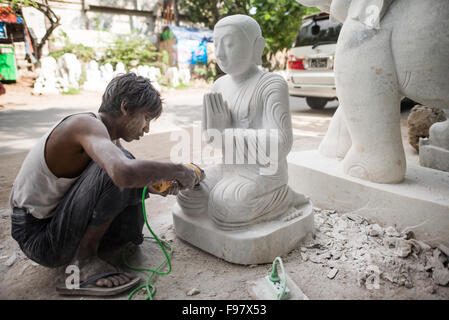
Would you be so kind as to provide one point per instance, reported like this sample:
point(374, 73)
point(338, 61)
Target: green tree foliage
point(279, 19)
point(209, 12)
point(24, 3)
point(132, 50)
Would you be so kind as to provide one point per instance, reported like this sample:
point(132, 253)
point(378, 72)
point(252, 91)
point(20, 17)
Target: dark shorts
point(91, 201)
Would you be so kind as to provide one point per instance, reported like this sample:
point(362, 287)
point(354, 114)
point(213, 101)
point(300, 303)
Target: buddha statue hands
point(216, 113)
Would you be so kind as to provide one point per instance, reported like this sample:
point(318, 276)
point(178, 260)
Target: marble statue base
point(432, 156)
point(420, 203)
point(260, 243)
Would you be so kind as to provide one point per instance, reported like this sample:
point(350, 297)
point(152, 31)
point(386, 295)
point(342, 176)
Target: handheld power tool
point(165, 185)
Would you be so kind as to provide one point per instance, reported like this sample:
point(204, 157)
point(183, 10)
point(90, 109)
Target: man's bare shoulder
point(85, 124)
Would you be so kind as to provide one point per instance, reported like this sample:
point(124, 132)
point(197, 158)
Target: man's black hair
point(135, 91)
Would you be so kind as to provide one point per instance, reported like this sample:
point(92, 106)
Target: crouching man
point(79, 190)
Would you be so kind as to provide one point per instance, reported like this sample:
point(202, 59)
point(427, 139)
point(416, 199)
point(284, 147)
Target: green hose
point(151, 289)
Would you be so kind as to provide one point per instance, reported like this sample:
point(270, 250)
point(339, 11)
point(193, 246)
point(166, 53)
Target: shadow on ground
point(20, 129)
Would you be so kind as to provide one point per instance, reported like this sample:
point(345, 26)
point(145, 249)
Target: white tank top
point(36, 189)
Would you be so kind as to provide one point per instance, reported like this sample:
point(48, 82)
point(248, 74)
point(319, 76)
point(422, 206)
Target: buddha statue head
point(239, 44)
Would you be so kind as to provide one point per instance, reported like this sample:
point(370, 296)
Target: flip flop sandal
point(94, 290)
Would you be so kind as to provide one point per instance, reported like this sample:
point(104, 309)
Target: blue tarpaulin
point(184, 33)
point(3, 32)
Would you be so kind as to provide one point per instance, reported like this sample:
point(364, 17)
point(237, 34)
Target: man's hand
point(187, 178)
point(216, 113)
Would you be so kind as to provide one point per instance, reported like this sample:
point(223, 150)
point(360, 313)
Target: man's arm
point(127, 173)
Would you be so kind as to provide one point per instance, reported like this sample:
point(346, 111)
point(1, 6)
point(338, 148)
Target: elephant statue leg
point(337, 140)
point(369, 94)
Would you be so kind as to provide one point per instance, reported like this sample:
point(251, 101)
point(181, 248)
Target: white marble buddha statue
point(245, 104)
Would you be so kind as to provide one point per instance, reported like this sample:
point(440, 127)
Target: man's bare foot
point(94, 266)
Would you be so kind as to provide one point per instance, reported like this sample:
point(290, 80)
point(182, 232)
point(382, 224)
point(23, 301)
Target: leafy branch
point(43, 7)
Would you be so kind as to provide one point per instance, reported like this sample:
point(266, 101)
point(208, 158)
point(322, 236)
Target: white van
point(310, 67)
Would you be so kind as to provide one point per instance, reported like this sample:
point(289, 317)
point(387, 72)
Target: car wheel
point(316, 103)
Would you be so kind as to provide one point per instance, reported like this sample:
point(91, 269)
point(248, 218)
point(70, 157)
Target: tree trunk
point(176, 12)
point(54, 23)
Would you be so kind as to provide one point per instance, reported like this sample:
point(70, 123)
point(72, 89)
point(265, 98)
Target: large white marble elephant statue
point(387, 49)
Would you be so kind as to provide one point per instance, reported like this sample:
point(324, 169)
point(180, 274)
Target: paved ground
point(24, 118)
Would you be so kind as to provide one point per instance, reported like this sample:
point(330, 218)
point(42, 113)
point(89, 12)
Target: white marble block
point(94, 81)
point(257, 244)
point(420, 203)
point(184, 76)
point(172, 76)
point(70, 69)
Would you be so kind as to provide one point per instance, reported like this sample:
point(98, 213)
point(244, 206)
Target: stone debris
point(314, 246)
point(304, 256)
point(193, 291)
point(375, 230)
point(399, 247)
point(373, 254)
point(332, 273)
point(169, 236)
point(444, 249)
point(315, 259)
point(11, 260)
point(370, 277)
point(5, 213)
point(441, 276)
point(392, 232)
point(432, 289)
